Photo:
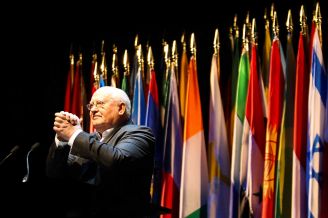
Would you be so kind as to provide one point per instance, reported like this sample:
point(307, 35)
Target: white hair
point(117, 94)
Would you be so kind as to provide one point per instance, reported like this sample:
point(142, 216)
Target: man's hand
point(65, 125)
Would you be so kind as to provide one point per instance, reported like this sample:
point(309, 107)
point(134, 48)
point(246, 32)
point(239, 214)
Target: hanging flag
point(125, 83)
point(238, 176)
point(253, 140)
point(138, 105)
point(234, 80)
point(69, 84)
point(134, 71)
point(173, 151)
point(79, 100)
point(194, 174)
point(77, 92)
point(94, 76)
point(165, 81)
point(183, 81)
point(317, 127)
point(284, 177)
point(218, 150)
point(275, 111)
point(101, 81)
point(154, 122)
point(94, 83)
point(299, 195)
point(266, 59)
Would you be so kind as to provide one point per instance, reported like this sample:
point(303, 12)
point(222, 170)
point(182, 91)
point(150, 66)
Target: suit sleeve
point(58, 166)
point(129, 146)
point(57, 161)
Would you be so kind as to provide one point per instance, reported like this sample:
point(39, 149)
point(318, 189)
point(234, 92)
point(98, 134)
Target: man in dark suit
point(116, 161)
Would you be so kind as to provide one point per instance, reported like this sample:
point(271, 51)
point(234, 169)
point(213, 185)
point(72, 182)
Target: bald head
point(115, 94)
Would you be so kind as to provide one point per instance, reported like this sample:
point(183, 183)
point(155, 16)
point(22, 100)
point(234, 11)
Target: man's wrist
point(59, 143)
point(72, 138)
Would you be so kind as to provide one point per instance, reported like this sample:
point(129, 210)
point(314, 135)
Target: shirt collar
point(105, 134)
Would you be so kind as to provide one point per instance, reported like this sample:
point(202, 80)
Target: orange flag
point(275, 109)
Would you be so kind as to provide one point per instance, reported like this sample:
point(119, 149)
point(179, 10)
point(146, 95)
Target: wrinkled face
point(105, 111)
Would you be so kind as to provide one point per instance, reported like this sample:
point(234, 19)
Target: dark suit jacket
point(120, 169)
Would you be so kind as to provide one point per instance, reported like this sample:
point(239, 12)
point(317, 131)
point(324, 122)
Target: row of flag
point(266, 150)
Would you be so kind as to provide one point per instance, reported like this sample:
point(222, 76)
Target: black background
point(35, 43)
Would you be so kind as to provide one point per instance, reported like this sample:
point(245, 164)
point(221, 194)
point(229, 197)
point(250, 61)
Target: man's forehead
point(101, 95)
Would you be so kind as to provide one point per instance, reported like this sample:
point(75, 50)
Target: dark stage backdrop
point(35, 45)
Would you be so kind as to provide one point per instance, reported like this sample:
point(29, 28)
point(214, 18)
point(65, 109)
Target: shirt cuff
point(71, 140)
point(59, 143)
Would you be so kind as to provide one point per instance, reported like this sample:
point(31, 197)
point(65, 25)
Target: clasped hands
point(65, 125)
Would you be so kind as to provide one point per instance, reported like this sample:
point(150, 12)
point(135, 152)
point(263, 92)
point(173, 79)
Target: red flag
point(79, 97)
point(275, 109)
point(300, 132)
point(69, 84)
point(254, 136)
point(94, 83)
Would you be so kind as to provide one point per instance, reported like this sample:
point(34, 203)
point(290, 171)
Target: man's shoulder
point(134, 127)
point(140, 130)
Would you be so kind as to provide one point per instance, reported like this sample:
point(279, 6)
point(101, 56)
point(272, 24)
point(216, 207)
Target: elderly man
point(117, 160)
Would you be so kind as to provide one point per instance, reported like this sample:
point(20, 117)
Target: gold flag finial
point(235, 26)
point(272, 12)
point(102, 46)
point(254, 31)
point(317, 14)
point(248, 27)
point(247, 18)
point(139, 52)
point(136, 41)
point(303, 20)
point(275, 25)
point(141, 61)
point(317, 19)
point(244, 33)
point(114, 61)
point(216, 42)
point(150, 58)
point(150, 64)
point(235, 22)
point(174, 57)
point(71, 58)
point(245, 39)
point(126, 63)
point(80, 58)
point(95, 69)
point(71, 54)
point(166, 53)
point(174, 53)
point(289, 22)
point(183, 42)
point(103, 65)
point(266, 19)
point(193, 44)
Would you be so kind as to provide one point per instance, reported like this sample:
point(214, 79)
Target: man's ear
point(122, 108)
